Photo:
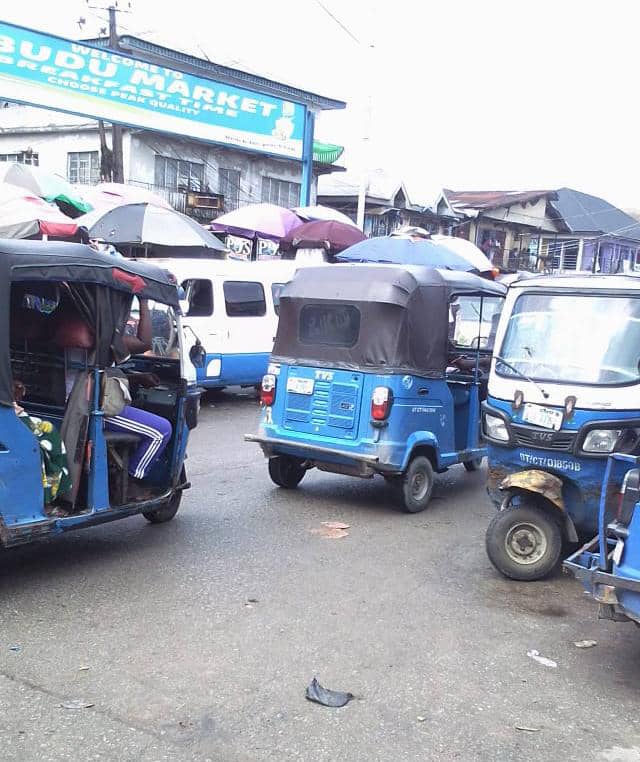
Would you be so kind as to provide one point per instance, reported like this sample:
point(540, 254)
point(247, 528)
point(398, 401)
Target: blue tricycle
point(378, 369)
point(563, 396)
point(63, 319)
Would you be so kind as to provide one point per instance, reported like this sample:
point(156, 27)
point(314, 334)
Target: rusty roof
point(483, 200)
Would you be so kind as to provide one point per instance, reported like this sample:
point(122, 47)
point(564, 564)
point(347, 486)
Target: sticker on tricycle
point(545, 417)
point(300, 385)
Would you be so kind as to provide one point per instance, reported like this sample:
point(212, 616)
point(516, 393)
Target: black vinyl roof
point(388, 283)
point(59, 261)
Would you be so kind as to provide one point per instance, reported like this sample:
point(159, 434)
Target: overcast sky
point(498, 94)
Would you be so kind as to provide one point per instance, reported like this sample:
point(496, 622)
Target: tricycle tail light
point(381, 402)
point(268, 389)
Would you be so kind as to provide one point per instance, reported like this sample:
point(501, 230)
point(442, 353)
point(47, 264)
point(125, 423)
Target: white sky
point(490, 94)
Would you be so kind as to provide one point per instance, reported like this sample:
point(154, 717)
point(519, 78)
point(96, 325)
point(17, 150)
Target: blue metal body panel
point(580, 474)
point(22, 514)
point(335, 416)
point(235, 370)
point(596, 563)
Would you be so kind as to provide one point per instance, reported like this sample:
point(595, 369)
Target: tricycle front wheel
point(286, 471)
point(524, 543)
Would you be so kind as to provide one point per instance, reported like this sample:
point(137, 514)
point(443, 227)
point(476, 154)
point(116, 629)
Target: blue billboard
point(51, 72)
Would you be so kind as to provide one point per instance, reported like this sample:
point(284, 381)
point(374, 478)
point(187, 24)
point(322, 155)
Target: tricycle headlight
point(495, 428)
point(601, 440)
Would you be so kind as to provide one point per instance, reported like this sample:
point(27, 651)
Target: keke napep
point(378, 369)
point(81, 441)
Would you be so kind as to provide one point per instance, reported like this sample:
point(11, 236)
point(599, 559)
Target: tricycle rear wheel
point(286, 471)
point(166, 511)
point(524, 542)
point(416, 485)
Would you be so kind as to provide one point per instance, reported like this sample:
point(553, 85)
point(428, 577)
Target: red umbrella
point(323, 234)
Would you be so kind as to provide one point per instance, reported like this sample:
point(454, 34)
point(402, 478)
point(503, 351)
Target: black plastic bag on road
point(326, 697)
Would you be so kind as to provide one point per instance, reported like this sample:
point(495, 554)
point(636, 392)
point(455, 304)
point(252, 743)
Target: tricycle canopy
point(101, 287)
point(380, 318)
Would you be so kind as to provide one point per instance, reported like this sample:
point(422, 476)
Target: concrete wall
point(534, 215)
point(252, 167)
point(139, 149)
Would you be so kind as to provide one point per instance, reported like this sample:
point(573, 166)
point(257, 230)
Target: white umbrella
point(466, 250)
point(325, 213)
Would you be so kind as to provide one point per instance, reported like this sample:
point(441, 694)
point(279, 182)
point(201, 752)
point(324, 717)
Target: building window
point(280, 192)
point(229, 187)
point(83, 167)
point(176, 174)
point(21, 157)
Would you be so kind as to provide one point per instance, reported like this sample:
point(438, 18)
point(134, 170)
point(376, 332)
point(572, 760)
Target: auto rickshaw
point(609, 565)
point(563, 396)
point(377, 370)
point(63, 311)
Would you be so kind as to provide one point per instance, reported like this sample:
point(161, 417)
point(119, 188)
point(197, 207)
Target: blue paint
point(235, 370)
point(424, 414)
point(581, 474)
point(307, 160)
point(41, 67)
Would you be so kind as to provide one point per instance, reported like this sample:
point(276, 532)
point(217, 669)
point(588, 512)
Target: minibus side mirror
point(197, 354)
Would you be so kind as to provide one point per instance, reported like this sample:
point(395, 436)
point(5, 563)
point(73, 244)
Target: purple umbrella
point(321, 234)
point(257, 221)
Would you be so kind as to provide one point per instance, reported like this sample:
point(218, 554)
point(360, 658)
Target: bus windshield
point(570, 338)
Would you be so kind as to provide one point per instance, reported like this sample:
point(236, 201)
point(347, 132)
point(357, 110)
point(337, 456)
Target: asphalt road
point(196, 640)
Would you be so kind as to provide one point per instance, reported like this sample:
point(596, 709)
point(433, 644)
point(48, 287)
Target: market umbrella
point(332, 236)
point(47, 185)
point(465, 249)
point(146, 224)
point(406, 252)
point(257, 221)
point(107, 195)
point(325, 213)
point(24, 215)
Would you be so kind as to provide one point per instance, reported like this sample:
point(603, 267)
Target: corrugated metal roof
point(582, 213)
point(484, 200)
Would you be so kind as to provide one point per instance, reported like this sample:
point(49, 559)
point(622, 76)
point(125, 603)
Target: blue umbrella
point(402, 251)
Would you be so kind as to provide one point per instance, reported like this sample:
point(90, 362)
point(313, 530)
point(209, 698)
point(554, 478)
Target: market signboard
point(51, 72)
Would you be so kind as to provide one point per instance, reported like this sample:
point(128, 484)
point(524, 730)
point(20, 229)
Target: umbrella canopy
point(23, 215)
point(257, 221)
point(325, 213)
point(152, 225)
point(332, 236)
point(47, 185)
point(405, 252)
point(465, 249)
point(107, 195)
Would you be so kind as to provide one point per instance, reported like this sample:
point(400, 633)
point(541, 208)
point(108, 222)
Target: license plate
point(545, 417)
point(300, 385)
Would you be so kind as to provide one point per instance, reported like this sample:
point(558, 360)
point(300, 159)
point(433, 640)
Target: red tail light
point(381, 402)
point(268, 389)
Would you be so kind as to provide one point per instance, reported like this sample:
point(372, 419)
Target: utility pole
point(116, 129)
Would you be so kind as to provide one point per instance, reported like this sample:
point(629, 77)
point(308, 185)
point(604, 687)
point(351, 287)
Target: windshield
point(466, 329)
point(584, 339)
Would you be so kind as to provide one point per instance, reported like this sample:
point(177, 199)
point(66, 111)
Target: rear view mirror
point(197, 354)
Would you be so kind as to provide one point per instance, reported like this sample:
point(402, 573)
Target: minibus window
point(200, 297)
point(244, 299)
point(335, 324)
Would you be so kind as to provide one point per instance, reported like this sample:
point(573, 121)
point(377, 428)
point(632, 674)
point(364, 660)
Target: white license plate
point(545, 417)
point(300, 385)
